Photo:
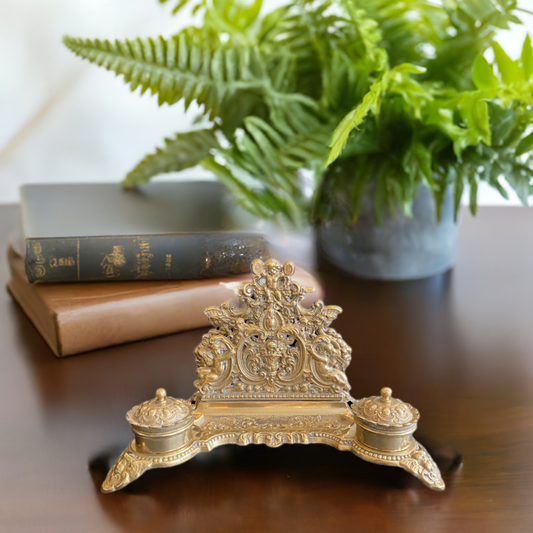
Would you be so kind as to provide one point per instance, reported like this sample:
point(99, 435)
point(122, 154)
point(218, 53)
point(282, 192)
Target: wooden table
point(457, 346)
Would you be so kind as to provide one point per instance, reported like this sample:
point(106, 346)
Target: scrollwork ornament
point(420, 464)
point(127, 468)
point(214, 359)
point(274, 344)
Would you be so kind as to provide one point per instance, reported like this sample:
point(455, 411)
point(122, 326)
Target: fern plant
point(363, 93)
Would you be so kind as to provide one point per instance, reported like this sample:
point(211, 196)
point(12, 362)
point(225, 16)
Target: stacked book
point(98, 266)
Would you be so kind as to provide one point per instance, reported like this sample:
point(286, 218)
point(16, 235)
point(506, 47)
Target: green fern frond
point(180, 4)
point(233, 16)
point(228, 16)
point(270, 24)
point(354, 118)
point(474, 24)
point(177, 68)
point(273, 153)
point(367, 28)
point(243, 193)
point(261, 199)
point(184, 151)
point(396, 80)
point(264, 160)
point(404, 36)
point(303, 32)
point(306, 150)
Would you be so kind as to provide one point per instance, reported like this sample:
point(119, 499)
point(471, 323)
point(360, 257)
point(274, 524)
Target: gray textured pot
point(400, 248)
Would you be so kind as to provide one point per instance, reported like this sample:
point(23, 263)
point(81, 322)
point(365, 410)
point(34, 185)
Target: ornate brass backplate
point(272, 372)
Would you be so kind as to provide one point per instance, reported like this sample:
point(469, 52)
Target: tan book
point(79, 317)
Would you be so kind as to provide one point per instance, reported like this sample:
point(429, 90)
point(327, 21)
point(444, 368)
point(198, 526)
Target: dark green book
point(163, 231)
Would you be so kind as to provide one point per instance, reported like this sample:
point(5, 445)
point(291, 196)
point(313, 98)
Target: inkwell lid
point(160, 412)
point(385, 411)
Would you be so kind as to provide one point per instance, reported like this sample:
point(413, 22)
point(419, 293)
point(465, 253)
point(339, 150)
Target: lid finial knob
point(161, 395)
point(386, 394)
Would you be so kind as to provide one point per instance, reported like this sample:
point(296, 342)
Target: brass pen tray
point(272, 372)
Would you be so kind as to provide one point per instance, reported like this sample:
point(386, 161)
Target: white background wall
point(63, 119)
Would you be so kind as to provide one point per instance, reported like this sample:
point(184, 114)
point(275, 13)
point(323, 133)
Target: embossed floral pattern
point(127, 468)
point(154, 414)
point(392, 413)
point(258, 425)
point(420, 464)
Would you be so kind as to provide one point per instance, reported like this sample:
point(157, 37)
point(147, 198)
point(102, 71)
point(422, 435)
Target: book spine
point(146, 257)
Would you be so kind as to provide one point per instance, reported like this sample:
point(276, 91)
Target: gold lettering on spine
point(144, 259)
point(40, 269)
point(168, 262)
point(112, 262)
point(62, 261)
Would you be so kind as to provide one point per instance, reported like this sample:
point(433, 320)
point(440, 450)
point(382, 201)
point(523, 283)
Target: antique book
point(163, 231)
point(67, 315)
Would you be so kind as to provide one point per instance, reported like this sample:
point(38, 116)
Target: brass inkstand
point(272, 372)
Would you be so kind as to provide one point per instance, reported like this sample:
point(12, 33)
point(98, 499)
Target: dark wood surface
point(458, 346)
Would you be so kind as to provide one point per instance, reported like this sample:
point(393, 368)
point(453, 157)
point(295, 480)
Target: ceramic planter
point(400, 248)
